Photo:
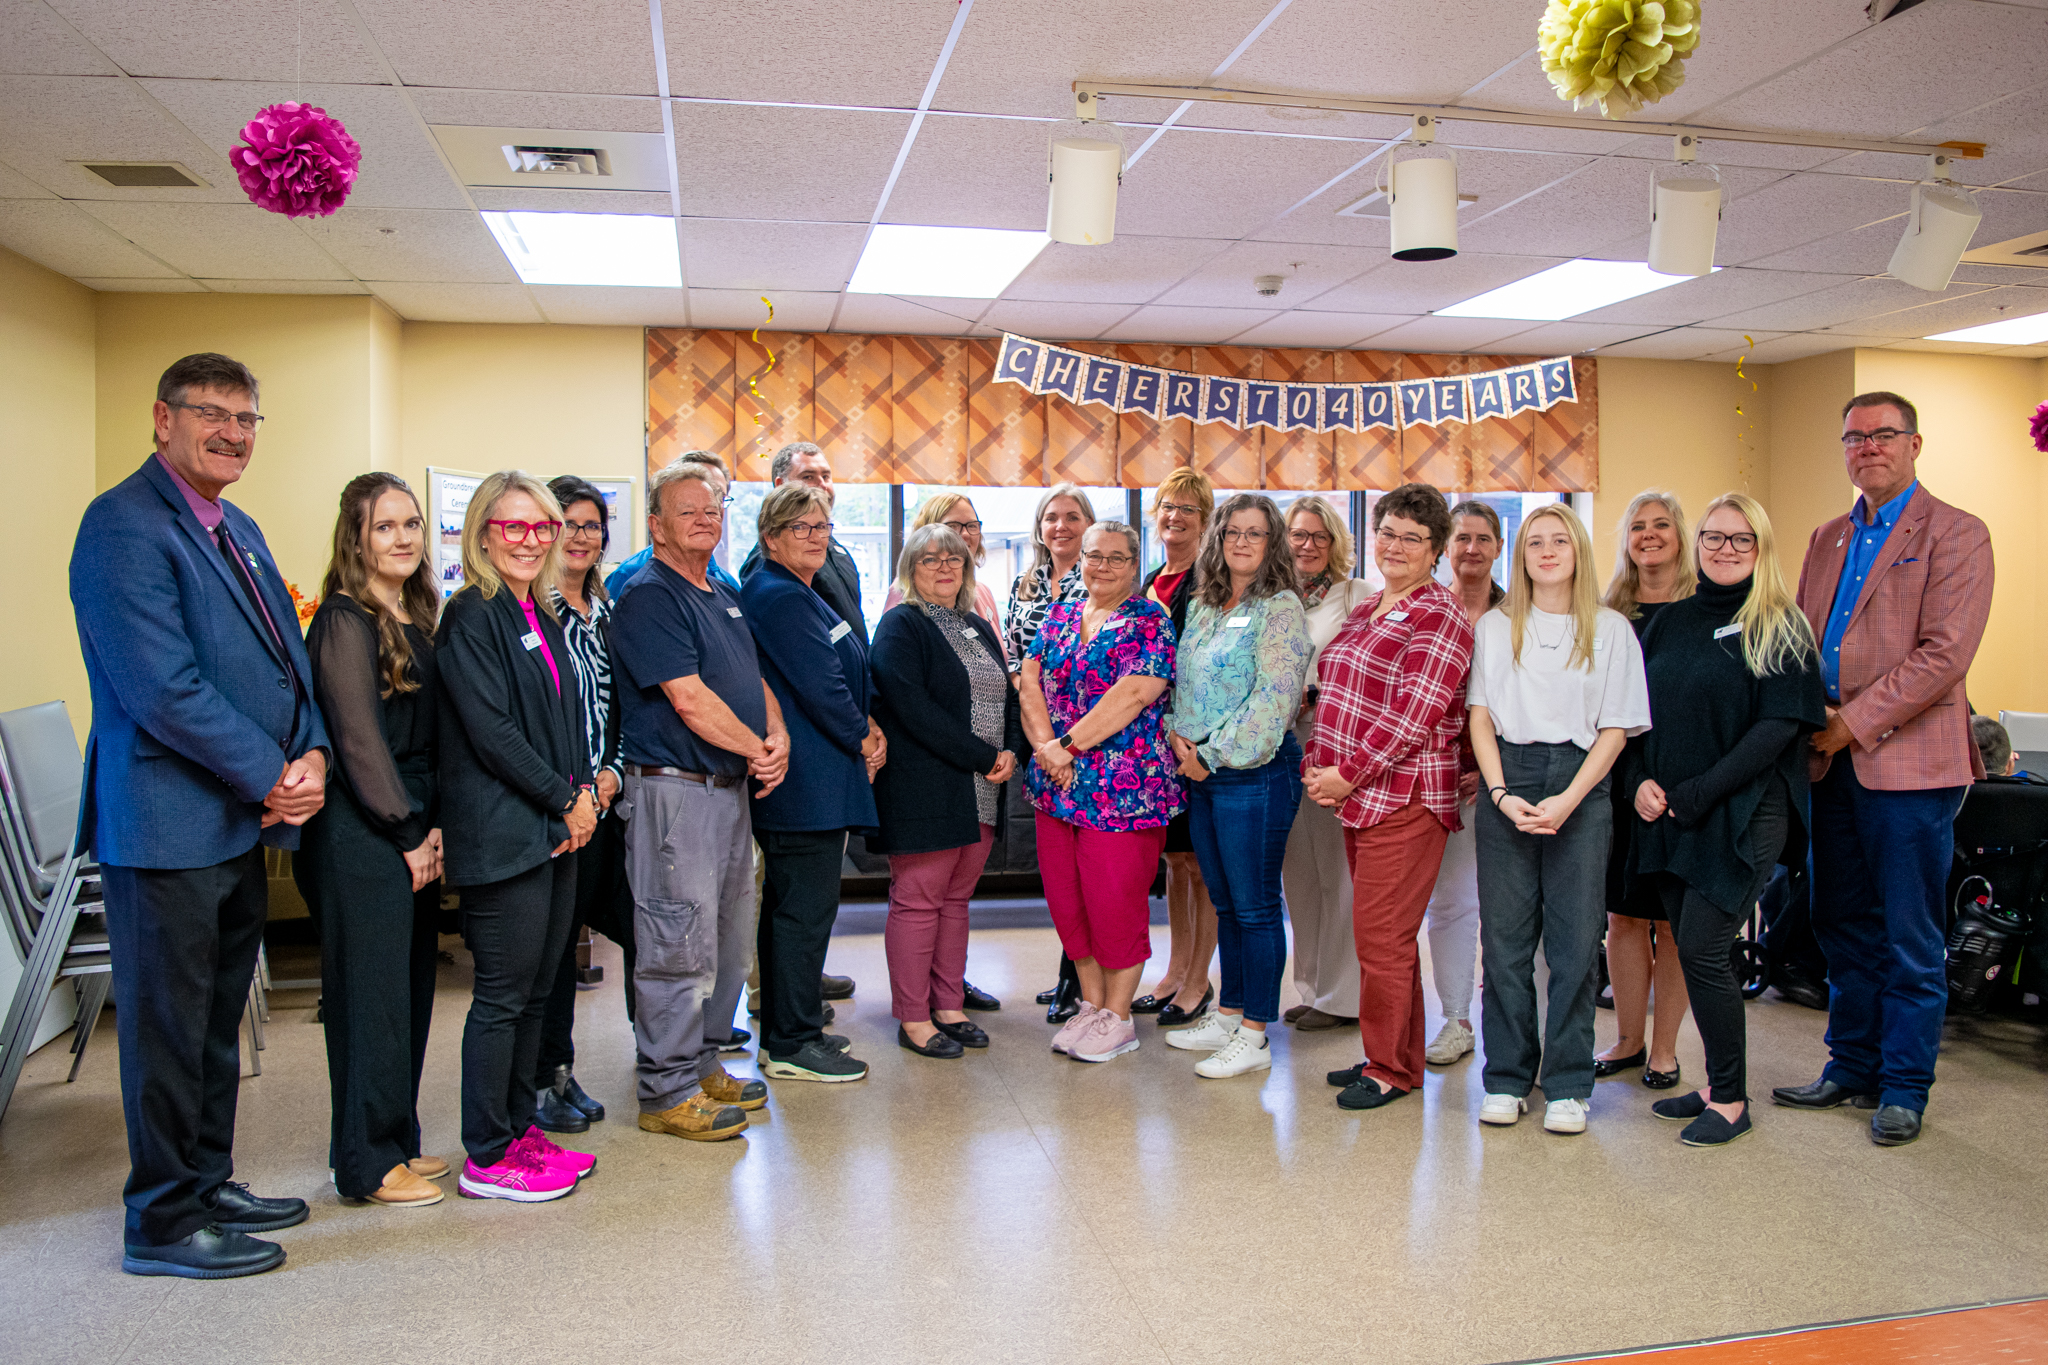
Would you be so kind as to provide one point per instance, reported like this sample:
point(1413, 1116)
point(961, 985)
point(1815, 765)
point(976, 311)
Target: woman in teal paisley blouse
point(1238, 686)
point(1102, 779)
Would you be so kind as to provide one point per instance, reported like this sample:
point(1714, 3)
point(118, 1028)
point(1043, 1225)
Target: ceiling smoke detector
point(1268, 285)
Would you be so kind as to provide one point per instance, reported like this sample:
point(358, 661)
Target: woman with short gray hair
point(945, 704)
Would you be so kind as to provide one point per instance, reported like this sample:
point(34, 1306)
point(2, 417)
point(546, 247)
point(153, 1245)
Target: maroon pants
point(1393, 869)
point(926, 937)
point(1095, 887)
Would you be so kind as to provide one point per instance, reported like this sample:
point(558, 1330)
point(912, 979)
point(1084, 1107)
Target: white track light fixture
point(1422, 200)
point(1938, 231)
point(1685, 212)
point(1084, 166)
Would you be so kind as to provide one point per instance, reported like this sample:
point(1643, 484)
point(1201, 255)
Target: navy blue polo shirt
point(666, 627)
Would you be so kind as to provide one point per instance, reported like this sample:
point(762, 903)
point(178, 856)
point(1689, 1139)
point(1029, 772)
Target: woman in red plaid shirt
point(1385, 758)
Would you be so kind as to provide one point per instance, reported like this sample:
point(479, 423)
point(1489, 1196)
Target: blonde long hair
point(1776, 636)
point(476, 561)
point(1041, 554)
point(1522, 589)
point(1625, 588)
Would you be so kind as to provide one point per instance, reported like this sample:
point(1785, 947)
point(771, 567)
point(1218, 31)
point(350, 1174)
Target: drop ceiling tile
point(610, 305)
point(1571, 337)
point(220, 240)
point(1865, 250)
point(40, 44)
point(1710, 296)
point(1847, 303)
point(819, 54)
point(1188, 326)
point(1941, 347)
point(740, 309)
point(71, 242)
point(519, 109)
point(401, 167)
point(1055, 321)
point(724, 254)
point(1449, 335)
point(1278, 120)
point(174, 285)
point(554, 45)
point(442, 246)
point(1131, 269)
point(1498, 178)
point(48, 123)
point(889, 313)
point(1972, 309)
point(2009, 213)
point(1793, 346)
point(1226, 281)
point(15, 185)
point(1971, 273)
point(1584, 143)
point(1685, 343)
point(228, 39)
point(813, 165)
point(1764, 223)
point(1724, 152)
point(1575, 216)
point(2015, 138)
point(642, 202)
point(1425, 286)
point(286, 286)
point(1319, 330)
point(974, 172)
point(1217, 185)
point(459, 302)
point(1020, 56)
point(1385, 47)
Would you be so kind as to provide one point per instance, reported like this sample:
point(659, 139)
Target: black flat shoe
point(1066, 1004)
point(1350, 1075)
point(212, 1253)
point(236, 1210)
point(1894, 1125)
point(978, 999)
point(1682, 1109)
point(1046, 997)
point(1173, 1016)
point(1711, 1130)
point(941, 1044)
point(564, 1084)
point(1367, 1095)
point(835, 987)
point(1603, 1067)
point(1150, 1004)
point(1661, 1080)
point(1802, 992)
point(1821, 1094)
point(553, 1113)
point(967, 1033)
point(737, 1043)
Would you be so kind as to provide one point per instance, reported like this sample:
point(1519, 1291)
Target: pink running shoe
point(1107, 1037)
point(519, 1175)
point(575, 1165)
point(1063, 1041)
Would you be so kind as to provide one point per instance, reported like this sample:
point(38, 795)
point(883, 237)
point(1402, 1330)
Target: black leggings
point(1705, 934)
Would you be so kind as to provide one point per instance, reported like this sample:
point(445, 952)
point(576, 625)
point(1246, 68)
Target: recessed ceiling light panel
point(2031, 330)
point(1565, 291)
point(943, 262)
point(590, 248)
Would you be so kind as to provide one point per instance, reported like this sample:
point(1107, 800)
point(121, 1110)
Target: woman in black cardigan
point(1720, 780)
point(946, 707)
point(516, 795)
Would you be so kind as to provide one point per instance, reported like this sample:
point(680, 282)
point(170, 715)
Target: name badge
point(840, 632)
point(1732, 628)
point(968, 632)
point(1238, 621)
point(1397, 616)
point(531, 639)
point(1598, 644)
point(733, 612)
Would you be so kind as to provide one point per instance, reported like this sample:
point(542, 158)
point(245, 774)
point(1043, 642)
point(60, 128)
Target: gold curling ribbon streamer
point(754, 379)
point(1741, 459)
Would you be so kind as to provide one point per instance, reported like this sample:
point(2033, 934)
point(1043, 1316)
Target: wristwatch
point(1066, 741)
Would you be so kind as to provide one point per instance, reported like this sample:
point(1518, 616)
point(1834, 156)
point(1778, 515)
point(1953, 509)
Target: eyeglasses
point(1310, 539)
point(519, 532)
point(1096, 560)
point(961, 528)
point(1408, 541)
point(583, 528)
point(1185, 509)
point(936, 562)
point(809, 530)
point(1883, 436)
point(220, 417)
point(1743, 541)
point(1243, 535)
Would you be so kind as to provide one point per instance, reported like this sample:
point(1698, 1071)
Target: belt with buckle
point(701, 779)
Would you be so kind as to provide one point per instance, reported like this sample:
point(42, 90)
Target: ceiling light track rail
point(1088, 95)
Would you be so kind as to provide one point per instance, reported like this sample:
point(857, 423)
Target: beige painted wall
point(1808, 482)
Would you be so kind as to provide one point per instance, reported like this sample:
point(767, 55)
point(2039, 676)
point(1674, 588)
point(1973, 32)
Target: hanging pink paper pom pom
point(2040, 426)
point(296, 160)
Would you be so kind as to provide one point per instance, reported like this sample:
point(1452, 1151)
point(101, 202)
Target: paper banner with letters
point(1079, 377)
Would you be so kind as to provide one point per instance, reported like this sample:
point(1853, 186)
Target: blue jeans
point(1880, 875)
point(1240, 818)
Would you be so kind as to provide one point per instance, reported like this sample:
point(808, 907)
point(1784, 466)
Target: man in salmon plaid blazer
point(1897, 591)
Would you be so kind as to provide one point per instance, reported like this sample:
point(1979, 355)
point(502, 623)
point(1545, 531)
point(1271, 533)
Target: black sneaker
point(815, 1062)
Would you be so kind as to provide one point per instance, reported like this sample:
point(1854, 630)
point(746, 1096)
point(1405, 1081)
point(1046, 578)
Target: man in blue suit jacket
point(206, 746)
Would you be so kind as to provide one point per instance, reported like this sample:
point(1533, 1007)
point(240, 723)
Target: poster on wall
point(448, 494)
point(618, 506)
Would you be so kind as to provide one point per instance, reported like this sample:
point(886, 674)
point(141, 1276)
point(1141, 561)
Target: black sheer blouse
point(384, 745)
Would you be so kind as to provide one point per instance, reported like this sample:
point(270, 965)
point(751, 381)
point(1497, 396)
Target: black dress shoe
point(1066, 1004)
point(1350, 1075)
point(1365, 1094)
point(737, 1043)
point(1654, 1079)
point(940, 1044)
point(236, 1210)
point(1149, 1004)
point(829, 1013)
point(967, 1033)
point(565, 1085)
point(1047, 996)
point(1173, 1016)
point(212, 1253)
point(1821, 1094)
point(554, 1113)
point(973, 999)
point(1604, 1067)
point(1894, 1125)
point(835, 987)
point(1604, 1000)
point(1802, 992)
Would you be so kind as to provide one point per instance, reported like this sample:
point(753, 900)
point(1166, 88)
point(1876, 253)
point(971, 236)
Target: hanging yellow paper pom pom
point(1618, 54)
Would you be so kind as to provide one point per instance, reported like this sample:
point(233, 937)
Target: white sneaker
point(1063, 1041)
point(1453, 1041)
point(1564, 1116)
point(1502, 1109)
point(1247, 1050)
point(1216, 1029)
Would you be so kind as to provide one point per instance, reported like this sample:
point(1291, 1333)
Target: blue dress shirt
point(637, 561)
point(1869, 539)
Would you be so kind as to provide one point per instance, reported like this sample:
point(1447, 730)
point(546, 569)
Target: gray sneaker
point(815, 1061)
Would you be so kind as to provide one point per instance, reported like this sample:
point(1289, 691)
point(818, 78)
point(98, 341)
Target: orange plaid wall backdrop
point(912, 409)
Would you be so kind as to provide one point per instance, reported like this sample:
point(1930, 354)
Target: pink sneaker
point(1107, 1037)
point(519, 1175)
point(575, 1165)
point(1063, 1041)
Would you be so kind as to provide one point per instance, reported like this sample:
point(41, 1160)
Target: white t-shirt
point(1542, 701)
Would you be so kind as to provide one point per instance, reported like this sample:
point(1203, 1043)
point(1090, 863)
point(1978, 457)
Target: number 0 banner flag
point(1080, 377)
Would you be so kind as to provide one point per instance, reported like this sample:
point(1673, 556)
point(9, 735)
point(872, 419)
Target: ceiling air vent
point(554, 159)
point(1374, 205)
point(559, 161)
point(2030, 250)
point(144, 175)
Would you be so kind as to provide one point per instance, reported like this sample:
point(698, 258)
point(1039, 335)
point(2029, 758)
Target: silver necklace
point(1542, 643)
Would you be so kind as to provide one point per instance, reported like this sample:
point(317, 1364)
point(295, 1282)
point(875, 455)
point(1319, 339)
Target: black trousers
point(600, 890)
point(799, 903)
point(1705, 935)
point(184, 944)
point(1788, 926)
point(515, 930)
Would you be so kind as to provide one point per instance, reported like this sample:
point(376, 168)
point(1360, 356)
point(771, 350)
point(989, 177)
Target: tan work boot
point(726, 1088)
point(404, 1190)
point(699, 1118)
